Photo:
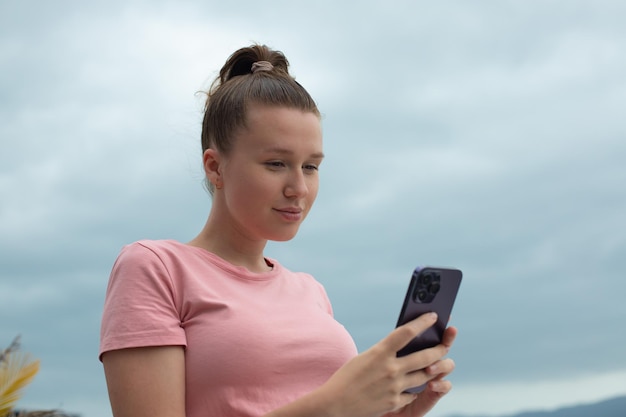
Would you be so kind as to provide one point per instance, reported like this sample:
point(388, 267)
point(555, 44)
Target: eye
point(311, 167)
point(275, 164)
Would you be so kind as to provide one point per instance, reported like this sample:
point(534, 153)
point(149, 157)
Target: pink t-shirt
point(253, 341)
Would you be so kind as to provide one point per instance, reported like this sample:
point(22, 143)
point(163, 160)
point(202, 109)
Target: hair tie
point(261, 66)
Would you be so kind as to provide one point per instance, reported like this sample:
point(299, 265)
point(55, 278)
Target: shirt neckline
point(236, 270)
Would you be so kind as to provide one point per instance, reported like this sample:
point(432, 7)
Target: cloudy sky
point(484, 135)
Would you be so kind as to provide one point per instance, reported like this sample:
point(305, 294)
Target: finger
point(441, 368)
point(440, 386)
point(449, 335)
point(422, 358)
point(426, 375)
point(402, 335)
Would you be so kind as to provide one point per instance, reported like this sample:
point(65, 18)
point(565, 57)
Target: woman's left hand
point(436, 388)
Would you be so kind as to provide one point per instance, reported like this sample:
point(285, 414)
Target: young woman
point(212, 327)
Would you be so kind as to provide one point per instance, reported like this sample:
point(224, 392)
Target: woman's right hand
point(373, 383)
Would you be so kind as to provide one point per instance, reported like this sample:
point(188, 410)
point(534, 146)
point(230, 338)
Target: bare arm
point(146, 382)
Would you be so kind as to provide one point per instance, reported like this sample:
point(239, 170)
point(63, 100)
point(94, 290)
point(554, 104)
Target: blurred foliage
point(17, 370)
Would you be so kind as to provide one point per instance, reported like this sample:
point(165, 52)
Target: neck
point(231, 245)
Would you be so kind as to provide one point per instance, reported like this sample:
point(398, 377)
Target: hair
point(239, 85)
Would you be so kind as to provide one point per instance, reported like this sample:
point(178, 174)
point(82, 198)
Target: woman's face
point(269, 180)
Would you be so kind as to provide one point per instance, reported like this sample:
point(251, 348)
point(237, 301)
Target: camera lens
point(434, 288)
point(426, 278)
point(421, 295)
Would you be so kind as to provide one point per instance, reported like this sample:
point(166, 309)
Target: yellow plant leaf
point(16, 371)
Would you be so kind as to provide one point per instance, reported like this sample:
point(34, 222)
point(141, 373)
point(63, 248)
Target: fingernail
point(432, 315)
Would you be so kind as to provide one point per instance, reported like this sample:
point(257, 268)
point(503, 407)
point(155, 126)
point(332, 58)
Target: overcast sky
point(484, 135)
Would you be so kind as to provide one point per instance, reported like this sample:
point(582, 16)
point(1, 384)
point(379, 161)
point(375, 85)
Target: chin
point(283, 237)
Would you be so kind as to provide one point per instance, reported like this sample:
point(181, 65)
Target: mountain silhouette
point(614, 407)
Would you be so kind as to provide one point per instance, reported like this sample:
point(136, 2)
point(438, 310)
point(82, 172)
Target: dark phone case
point(442, 303)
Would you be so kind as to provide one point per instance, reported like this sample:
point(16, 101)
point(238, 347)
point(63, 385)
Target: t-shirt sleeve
point(140, 306)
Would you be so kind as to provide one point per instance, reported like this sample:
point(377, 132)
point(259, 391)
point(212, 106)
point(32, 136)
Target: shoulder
point(302, 279)
point(285, 272)
point(156, 246)
point(145, 250)
point(149, 257)
point(178, 261)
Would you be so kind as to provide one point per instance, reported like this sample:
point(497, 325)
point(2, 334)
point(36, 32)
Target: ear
point(211, 161)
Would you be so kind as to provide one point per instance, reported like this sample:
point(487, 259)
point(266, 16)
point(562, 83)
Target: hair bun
point(261, 66)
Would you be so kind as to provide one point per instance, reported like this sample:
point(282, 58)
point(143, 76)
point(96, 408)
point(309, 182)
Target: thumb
point(402, 335)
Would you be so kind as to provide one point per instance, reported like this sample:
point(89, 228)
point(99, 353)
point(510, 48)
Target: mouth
point(293, 210)
point(290, 214)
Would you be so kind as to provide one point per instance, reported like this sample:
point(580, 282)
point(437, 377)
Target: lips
point(290, 213)
point(290, 210)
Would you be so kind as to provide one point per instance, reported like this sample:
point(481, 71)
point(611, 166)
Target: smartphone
point(430, 289)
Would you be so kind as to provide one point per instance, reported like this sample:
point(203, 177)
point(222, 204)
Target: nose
point(296, 185)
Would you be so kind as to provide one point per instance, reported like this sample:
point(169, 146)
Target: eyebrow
point(283, 151)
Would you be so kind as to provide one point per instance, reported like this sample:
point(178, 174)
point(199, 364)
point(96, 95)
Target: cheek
point(314, 186)
point(254, 189)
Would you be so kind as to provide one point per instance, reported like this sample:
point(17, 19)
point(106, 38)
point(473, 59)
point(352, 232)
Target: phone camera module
point(427, 287)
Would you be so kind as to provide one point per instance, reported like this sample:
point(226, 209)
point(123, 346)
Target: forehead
point(270, 128)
